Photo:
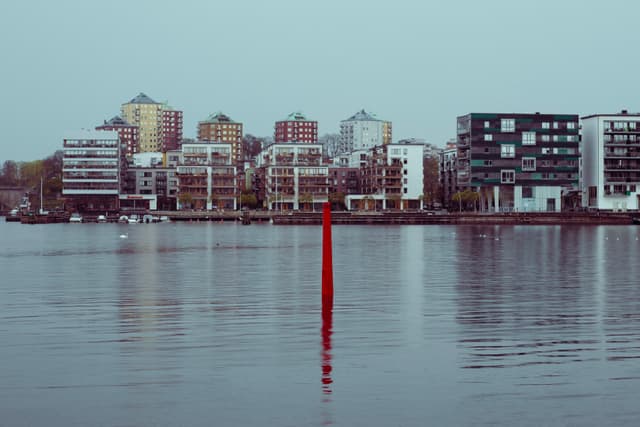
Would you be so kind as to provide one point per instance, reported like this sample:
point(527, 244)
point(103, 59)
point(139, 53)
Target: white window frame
point(507, 151)
point(488, 137)
point(529, 168)
point(505, 174)
point(571, 125)
point(545, 125)
point(528, 138)
point(487, 124)
point(507, 125)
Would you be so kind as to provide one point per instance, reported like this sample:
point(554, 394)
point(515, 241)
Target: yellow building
point(220, 128)
point(145, 113)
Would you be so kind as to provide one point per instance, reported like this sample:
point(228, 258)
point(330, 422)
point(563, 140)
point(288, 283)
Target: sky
point(70, 64)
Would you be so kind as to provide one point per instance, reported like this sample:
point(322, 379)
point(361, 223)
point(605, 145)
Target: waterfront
point(220, 324)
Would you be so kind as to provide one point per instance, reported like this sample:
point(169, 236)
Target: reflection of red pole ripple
point(327, 298)
point(327, 261)
point(327, 321)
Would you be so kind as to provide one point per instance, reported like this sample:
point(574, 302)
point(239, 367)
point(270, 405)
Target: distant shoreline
point(400, 218)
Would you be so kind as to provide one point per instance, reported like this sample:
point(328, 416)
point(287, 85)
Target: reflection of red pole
point(327, 261)
point(327, 324)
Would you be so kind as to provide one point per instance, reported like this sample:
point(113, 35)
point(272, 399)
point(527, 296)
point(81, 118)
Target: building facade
point(159, 181)
point(296, 128)
point(159, 126)
point(295, 177)
point(127, 133)
point(219, 127)
point(518, 162)
point(448, 173)
point(363, 131)
point(207, 177)
point(171, 128)
point(391, 177)
point(91, 171)
point(145, 113)
point(611, 161)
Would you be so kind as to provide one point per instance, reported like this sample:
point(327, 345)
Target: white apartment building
point(207, 177)
point(91, 169)
point(611, 161)
point(295, 177)
point(391, 175)
point(363, 131)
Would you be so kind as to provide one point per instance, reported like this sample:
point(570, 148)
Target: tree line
point(28, 175)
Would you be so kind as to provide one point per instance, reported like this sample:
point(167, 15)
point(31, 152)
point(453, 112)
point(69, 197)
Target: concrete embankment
point(488, 219)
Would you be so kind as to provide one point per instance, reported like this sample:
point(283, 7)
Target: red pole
point(327, 261)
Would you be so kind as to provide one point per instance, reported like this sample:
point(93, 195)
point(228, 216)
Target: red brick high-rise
point(296, 128)
point(128, 133)
point(171, 128)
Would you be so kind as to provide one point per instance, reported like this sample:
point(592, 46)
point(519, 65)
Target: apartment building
point(363, 131)
point(160, 126)
point(611, 161)
point(127, 133)
point(295, 177)
point(207, 177)
point(391, 177)
point(171, 128)
point(219, 127)
point(91, 170)
point(518, 162)
point(296, 128)
point(448, 173)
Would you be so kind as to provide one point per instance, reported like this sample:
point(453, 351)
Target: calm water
point(221, 324)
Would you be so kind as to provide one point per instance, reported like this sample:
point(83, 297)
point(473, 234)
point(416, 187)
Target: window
point(528, 138)
point(555, 138)
point(545, 125)
point(507, 151)
point(487, 124)
point(528, 163)
point(488, 137)
point(527, 192)
point(546, 138)
point(488, 162)
point(556, 125)
point(507, 176)
point(571, 125)
point(507, 125)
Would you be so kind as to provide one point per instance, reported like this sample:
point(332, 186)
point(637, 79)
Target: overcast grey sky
point(70, 64)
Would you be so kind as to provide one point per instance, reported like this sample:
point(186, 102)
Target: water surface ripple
point(222, 324)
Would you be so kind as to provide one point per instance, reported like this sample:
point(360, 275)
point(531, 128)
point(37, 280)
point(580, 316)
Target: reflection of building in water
point(521, 295)
point(149, 308)
point(617, 271)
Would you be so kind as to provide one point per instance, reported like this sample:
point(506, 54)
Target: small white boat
point(134, 219)
point(101, 219)
point(75, 218)
point(123, 219)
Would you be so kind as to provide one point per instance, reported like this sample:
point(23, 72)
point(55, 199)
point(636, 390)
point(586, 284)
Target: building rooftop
point(116, 121)
point(142, 99)
point(218, 117)
point(296, 116)
point(362, 115)
point(623, 113)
